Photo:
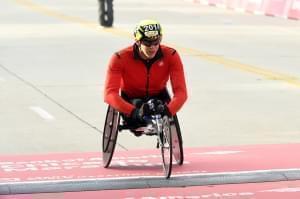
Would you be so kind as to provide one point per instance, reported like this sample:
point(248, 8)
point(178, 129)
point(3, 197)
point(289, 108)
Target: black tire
point(109, 136)
point(106, 13)
point(176, 141)
point(166, 147)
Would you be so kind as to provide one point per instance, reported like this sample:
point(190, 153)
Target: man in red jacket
point(140, 72)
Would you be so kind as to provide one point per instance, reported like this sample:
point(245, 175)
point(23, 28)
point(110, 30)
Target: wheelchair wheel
point(109, 137)
point(177, 147)
point(166, 147)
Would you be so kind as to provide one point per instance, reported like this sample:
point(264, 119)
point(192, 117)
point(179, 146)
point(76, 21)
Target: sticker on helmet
point(151, 27)
point(153, 33)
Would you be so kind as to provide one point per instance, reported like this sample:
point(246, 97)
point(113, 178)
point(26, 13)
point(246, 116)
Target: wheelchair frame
point(171, 131)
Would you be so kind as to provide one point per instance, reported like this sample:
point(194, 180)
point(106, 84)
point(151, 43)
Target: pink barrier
point(254, 6)
point(233, 4)
point(294, 10)
point(216, 2)
point(282, 8)
point(274, 7)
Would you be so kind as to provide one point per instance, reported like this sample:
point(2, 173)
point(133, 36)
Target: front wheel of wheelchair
point(110, 134)
point(177, 147)
point(166, 147)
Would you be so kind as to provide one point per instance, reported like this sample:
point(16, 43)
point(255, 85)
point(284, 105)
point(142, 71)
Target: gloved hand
point(138, 113)
point(163, 109)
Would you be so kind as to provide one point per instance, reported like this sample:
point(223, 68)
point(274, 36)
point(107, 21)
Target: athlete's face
point(148, 49)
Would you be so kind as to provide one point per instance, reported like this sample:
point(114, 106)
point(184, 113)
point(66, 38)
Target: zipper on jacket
point(147, 83)
point(148, 65)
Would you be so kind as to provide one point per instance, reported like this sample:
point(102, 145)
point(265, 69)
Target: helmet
point(147, 29)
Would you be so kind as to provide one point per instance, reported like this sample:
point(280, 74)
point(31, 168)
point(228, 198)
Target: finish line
point(74, 172)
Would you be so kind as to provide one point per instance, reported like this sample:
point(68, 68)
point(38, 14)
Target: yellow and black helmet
point(148, 30)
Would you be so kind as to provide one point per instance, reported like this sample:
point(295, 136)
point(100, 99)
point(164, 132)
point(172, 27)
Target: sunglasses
point(151, 43)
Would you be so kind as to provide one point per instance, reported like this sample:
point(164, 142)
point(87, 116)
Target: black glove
point(138, 113)
point(163, 109)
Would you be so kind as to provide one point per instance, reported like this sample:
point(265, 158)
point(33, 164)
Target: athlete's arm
point(112, 87)
point(178, 84)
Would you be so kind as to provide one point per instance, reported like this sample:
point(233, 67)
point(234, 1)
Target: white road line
point(283, 190)
point(217, 152)
point(2, 79)
point(42, 113)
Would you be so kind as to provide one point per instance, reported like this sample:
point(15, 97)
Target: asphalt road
point(242, 73)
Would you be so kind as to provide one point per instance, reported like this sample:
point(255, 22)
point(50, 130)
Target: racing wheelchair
point(165, 128)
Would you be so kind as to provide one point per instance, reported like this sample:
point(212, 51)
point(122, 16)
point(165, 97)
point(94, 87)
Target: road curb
point(59, 186)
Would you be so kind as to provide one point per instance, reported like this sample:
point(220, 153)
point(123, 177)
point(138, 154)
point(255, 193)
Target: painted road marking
point(268, 74)
point(42, 113)
point(197, 160)
point(283, 190)
point(83, 171)
point(218, 152)
point(2, 79)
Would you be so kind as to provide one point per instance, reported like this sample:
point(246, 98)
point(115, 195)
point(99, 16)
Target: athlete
point(141, 71)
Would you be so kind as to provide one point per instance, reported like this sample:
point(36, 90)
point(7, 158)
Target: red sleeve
point(178, 84)
point(112, 87)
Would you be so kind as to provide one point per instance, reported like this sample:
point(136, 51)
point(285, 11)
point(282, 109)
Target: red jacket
point(128, 73)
